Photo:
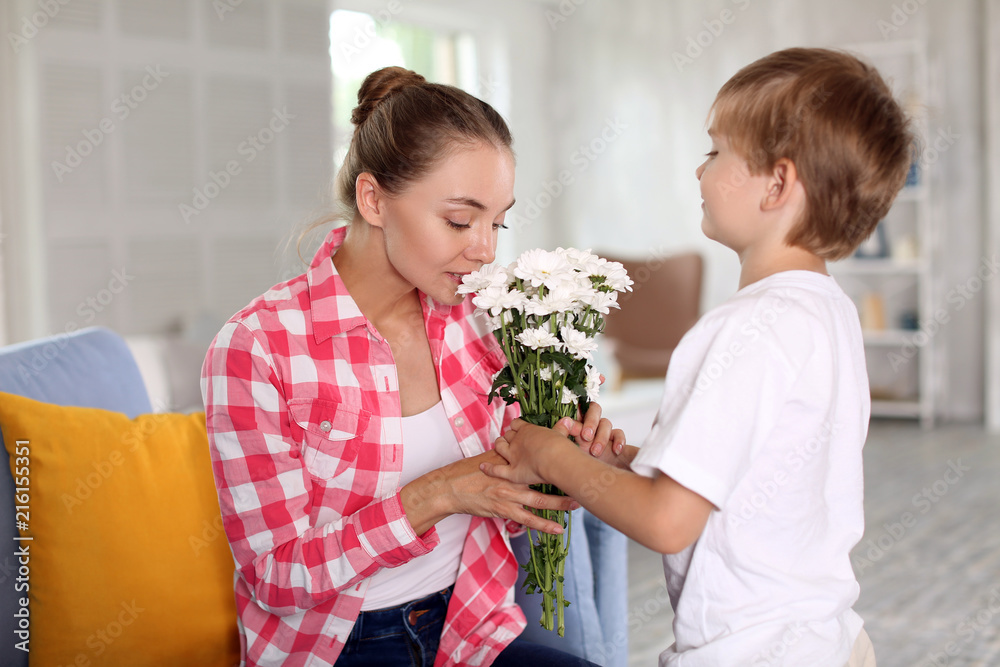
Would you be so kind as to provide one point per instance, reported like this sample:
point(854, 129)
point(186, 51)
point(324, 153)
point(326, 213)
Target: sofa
point(94, 368)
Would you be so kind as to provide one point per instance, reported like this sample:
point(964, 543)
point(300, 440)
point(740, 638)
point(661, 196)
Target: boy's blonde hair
point(835, 118)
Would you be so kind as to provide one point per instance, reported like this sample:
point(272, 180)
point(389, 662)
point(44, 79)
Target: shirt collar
point(332, 307)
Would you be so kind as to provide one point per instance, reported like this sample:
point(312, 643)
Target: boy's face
point(731, 197)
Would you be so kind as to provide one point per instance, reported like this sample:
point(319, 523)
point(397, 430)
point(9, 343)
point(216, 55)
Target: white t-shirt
point(429, 443)
point(764, 413)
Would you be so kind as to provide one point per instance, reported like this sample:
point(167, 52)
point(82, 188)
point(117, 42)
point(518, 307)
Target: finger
point(496, 470)
point(502, 447)
point(516, 424)
point(569, 427)
point(591, 421)
point(603, 435)
point(617, 440)
point(566, 427)
point(549, 501)
point(535, 522)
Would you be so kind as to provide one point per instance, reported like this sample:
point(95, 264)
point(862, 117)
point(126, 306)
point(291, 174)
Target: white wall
point(616, 59)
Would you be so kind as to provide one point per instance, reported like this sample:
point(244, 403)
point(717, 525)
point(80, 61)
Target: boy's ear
point(371, 202)
point(782, 183)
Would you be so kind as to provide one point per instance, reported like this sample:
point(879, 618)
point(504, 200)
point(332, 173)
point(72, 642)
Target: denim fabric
point(596, 584)
point(386, 638)
point(522, 653)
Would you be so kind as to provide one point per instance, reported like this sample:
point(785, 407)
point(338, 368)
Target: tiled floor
point(929, 563)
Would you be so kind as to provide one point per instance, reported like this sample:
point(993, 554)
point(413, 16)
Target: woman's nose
point(483, 245)
point(700, 170)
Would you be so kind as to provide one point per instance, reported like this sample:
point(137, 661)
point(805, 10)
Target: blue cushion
point(91, 368)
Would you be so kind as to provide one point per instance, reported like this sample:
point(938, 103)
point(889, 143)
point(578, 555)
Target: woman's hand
point(462, 488)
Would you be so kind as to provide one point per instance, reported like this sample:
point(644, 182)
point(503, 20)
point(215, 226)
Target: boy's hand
point(525, 446)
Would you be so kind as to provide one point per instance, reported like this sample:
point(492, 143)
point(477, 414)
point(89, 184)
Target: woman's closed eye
point(460, 226)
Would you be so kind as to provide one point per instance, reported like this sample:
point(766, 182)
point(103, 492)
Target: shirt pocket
point(332, 435)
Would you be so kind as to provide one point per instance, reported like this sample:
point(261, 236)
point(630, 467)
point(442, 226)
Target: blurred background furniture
point(89, 368)
point(664, 304)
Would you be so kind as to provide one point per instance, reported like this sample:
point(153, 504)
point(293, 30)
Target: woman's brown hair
point(403, 126)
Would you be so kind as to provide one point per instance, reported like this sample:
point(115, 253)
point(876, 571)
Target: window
point(361, 43)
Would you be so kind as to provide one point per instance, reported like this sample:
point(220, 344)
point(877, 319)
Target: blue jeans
point(596, 585)
point(405, 635)
point(408, 635)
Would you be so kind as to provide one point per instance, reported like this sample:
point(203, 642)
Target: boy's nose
point(700, 170)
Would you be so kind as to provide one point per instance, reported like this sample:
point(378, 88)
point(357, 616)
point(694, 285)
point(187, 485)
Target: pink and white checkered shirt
point(304, 422)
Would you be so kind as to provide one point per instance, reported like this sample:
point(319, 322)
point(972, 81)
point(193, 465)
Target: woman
point(347, 411)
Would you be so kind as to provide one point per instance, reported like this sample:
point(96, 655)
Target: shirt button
point(325, 426)
point(459, 422)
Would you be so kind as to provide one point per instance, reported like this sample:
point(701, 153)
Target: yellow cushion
point(129, 563)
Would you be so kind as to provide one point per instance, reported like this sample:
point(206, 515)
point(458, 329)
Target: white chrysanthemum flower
point(541, 267)
point(494, 323)
point(615, 276)
point(603, 302)
point(513, 300)
point(490, 275)
point(488, 299)
point(581, 260)
point(577, 343)
point(568, 397)
point(545, 374)
point(537, 337)
point(593, 383)
point(559, 299)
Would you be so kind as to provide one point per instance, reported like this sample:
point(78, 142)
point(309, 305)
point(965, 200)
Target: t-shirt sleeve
point(728, 381)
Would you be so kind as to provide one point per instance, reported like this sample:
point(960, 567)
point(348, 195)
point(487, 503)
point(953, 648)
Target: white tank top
point(428, 444)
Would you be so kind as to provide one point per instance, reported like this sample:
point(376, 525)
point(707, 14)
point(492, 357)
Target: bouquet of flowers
point(545, 310)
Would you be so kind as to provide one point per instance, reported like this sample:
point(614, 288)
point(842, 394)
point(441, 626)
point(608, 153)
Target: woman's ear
point(783, 182)
point(371, 203)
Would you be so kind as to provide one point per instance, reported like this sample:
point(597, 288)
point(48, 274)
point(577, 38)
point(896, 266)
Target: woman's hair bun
point(380, 84)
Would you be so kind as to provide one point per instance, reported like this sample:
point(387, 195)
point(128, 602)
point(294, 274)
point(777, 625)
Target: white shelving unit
point(893, 290)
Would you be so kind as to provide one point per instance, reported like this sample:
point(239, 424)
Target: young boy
point(751, 479)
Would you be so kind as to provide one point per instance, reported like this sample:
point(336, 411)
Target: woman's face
point(445, 225)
